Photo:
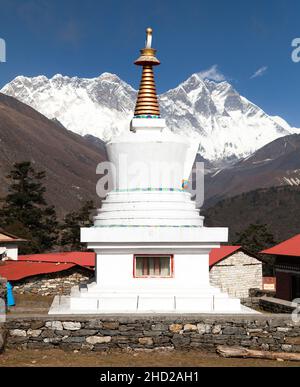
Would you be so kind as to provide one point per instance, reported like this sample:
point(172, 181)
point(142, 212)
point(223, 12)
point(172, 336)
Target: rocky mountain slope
point(227, 125)
point(275, 164)
point(69, 160)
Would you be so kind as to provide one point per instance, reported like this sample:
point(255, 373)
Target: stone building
point(49, 274)
point(235, 271)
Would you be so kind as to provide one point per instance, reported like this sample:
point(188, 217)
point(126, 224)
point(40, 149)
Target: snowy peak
point(227, 125)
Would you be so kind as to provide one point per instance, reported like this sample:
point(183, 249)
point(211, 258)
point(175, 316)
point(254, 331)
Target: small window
point(154, 266)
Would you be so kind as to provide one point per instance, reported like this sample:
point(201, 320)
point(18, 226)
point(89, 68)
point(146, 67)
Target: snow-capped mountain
point(227, 124)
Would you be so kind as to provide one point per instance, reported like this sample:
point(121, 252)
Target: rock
point(175, 328)
point(180, 341)
point(146, 340)
point(234, 330)
point(216, 329)
point(71, 325)
point(36, 325)
point(190, 327)
point(94, 324)
point(159, 327)
point(55, 325)
point(52, 340)
point(254, 330)
point(280, 329)
point(110, 325)
point(34, 332)
point(73, 339)
point(286, 347)
point(265, 347)
point(85, 332)
point(203, 328)
point(3, 335)
point(98, 339)
point(17, 333)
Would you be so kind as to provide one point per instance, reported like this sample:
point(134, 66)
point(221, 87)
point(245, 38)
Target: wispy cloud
point(213, 73)
point(71, 32)
point(260, 72)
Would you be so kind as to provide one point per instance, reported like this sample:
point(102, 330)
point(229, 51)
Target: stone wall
point(3, 332)
point(53, 283)
point(201, 332)
point(275, 305)
point(237, 274)
point(3, 289)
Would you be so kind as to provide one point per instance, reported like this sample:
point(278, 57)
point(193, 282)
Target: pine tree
point(25, 211)
point(70, 236)
point(255, 238)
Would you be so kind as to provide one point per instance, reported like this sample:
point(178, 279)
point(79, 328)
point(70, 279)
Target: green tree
point(25, 211)
point(70, 236)
point(255, 238)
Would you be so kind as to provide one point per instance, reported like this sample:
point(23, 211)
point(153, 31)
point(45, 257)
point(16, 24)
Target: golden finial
point(147, 103)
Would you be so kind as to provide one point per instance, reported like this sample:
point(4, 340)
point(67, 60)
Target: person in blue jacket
point(10, 295)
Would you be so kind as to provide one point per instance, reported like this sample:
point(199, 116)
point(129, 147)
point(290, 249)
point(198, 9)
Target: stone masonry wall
point(3, 288)
point(201, 332)
point(54, 283)
point(237, 274)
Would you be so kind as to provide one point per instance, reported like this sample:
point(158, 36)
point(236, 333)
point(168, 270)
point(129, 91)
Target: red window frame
point(171, 256)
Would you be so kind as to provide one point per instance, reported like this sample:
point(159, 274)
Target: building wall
point(115, 272)
point(237, 274)
point(54, 283)
point(11, 251)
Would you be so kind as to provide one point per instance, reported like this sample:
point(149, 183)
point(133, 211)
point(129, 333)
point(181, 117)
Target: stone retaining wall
point(202, 332)
point(3, 289)
point(53, 283)
point(276, 305)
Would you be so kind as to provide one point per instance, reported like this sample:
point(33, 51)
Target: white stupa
point(152, 249)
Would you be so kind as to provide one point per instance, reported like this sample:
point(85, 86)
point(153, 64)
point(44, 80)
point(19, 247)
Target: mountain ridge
point(227, 125)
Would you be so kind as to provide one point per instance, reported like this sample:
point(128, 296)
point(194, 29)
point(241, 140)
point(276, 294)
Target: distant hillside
point(279, 207)
point(69, 160)
point(275, 164)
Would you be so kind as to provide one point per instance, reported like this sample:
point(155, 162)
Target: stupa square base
point(67, 305)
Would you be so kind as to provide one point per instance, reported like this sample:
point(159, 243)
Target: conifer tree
point(70, 236)
point(25, 211)
point(255, 238)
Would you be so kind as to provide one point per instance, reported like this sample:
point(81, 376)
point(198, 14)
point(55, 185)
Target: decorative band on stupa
point(147, 103)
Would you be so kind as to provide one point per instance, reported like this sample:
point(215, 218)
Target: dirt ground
point(59, 358)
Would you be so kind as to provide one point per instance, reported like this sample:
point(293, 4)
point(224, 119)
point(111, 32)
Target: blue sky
point(240, 38)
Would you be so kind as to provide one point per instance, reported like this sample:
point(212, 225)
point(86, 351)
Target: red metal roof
point(16, 270)
point(30, 265)
point(289, 247)
point(217, 255)
point(77, 257)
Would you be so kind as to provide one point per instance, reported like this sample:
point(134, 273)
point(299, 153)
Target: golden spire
point(147, 103)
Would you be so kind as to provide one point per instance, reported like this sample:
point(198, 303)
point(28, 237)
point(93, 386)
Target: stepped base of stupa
point(117, 289)
point(208, 301)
